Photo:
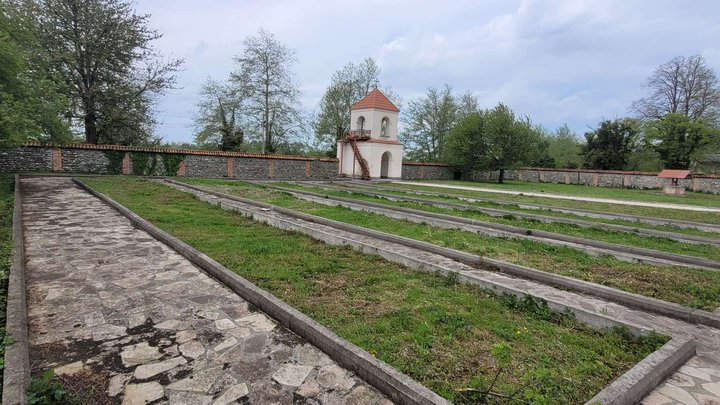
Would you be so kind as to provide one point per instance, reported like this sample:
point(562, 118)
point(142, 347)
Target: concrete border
point(520, 214)
point(397, 386)
point(16, 374)
point(632, 300)
point(635, 383)
point(575, 211)
point(639, 381)
point(593, 247)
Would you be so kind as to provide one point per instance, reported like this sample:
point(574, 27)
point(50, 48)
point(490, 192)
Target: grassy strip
point(616, 193)
point(666, 213)
point(7, 187)
point(594, 233)
point(513, 207)
point(445, 335)
point(699, 288)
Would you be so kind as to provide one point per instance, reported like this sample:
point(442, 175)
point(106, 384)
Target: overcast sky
point(558, 62)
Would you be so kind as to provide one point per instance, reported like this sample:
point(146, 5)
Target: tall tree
point(609, 146)
point(103, 50)
point(492, 140)
point(266, 77)
point(347, 86)
point(679, 141)
point(32, 107)
point(218, 119)
point(565, 148)
point(429, 120)
point(683, 85)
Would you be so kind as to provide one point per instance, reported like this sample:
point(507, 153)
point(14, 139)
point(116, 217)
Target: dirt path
point(565, 197)
point(113, 308)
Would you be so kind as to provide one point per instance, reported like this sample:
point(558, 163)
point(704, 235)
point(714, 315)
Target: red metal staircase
point(352, 137)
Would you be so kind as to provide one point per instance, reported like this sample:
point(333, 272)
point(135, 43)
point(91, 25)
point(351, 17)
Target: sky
point(574, 61)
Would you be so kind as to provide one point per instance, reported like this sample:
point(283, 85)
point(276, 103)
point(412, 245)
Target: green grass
point(593, 233)
point(666, 213)
point(7, 185)
point(437, 331)
point(657, 196)
point(516, 208)
point(699, 288)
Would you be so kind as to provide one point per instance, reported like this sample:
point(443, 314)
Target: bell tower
point(371, 150)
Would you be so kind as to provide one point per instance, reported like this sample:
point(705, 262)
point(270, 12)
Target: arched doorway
point(385, 165)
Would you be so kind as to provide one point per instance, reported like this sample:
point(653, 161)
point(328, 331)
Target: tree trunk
point(501, 177)
point(91, 135)
point(266, 147)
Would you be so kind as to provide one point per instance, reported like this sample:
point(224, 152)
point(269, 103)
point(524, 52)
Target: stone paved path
point(565, 197)
point(110, 306)
point(696, 383)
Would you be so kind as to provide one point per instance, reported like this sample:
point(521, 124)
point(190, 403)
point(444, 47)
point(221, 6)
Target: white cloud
point(573, 61)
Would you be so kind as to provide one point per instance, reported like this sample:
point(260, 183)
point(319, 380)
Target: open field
point(675, 214)
point(699, 289)
point(595, 233)
point(441, 333)
point(6, 212)
point(656, 196)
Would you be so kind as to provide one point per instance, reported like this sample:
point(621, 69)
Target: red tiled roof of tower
point(375, 99)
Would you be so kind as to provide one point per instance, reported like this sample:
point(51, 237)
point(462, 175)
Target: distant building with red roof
point(371, 148)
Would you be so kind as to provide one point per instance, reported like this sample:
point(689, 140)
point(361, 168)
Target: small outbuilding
point(371, 150)
point(674, 187)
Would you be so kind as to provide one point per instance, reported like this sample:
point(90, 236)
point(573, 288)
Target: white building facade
point(373, 129)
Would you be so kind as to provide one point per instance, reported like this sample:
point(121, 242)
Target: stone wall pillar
point(307, 169)
point(231, 167)
point(182, 168)
point(626, 181)
point(271, 168)
point(56, 160)
point(126, 164)
point(596, 180)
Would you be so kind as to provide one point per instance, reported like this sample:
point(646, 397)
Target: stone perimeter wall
point(599, 178)
point(89, 160)
point(426, 171)
point(93, 160)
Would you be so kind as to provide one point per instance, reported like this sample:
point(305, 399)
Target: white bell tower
point(372, 138)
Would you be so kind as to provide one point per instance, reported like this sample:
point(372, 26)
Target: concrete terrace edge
point(566, 210)
point(629, 299)
point(17, 354)
point(590, 246)
point(494, 212)
point(636, 383)
point(399, 387)
point(639, 381)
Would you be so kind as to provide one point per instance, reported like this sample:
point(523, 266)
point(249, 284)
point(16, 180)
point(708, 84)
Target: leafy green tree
point(540, 155)
point(429, 120)
point(218, 119)
point(609, 146)
point(467, 143)
point(679, 141)
point(492, 140)
point(103, 51)
point(266, 77)
point(565, 148)
point(31, 106)
point(644, 159)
